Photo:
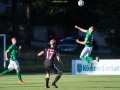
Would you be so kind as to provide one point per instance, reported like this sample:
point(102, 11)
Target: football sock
point(47, 81)
point(84, 59)
point(19, 75)
point(90, 58)
point(56, 79)
point(6, 71)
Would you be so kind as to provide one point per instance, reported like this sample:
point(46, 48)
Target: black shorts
point(52, 69)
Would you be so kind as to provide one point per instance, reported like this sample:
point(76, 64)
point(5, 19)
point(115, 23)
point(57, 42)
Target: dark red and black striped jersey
point(50, 55)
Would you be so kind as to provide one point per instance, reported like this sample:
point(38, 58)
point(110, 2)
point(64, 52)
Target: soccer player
point(49, 64)
point(88, 45)
point(13, 51)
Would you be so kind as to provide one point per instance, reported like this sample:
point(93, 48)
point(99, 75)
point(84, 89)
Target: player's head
point(92, 29)
point(14, 41)
point(52, 42)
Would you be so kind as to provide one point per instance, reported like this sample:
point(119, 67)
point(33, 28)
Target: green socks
point(6, 71)
point(90, 58)
point(19, 75)
point(87, 59)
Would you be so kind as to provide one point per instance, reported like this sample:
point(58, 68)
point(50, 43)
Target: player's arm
point(59, 60)
point(19, 50)
point(81, 42)
point(81, 29)
point(7, 55)
point(8, 52)
point(40, 53)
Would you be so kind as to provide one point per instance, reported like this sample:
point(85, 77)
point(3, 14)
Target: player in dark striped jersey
point(49, 64)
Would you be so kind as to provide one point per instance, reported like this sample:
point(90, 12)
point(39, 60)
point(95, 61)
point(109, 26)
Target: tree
point(64, 14)
point(7, 16)
point(14, 18)
point(109, 20)
point(48, 13)
point(27, 39)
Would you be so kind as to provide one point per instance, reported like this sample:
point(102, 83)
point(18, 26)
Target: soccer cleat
point(97, 59)
point(47, 87)
point(21, 82)
point(91, 64)
point(54, 85)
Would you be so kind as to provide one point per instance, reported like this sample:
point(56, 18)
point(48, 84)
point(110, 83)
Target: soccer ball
point(80, 3)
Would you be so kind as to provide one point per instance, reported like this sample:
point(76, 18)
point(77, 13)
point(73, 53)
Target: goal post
point(4, 49)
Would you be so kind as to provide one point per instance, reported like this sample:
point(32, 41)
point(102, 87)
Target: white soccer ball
point(80, 3)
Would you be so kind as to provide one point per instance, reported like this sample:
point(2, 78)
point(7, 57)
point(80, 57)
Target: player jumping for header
point(13, 51)
point(51, 53)
point(88, 45)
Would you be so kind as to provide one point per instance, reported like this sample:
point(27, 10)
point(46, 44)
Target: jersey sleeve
point(45, 50)
point(87, 36)
point(87, 31)
point(10, 48)
point(57, 54)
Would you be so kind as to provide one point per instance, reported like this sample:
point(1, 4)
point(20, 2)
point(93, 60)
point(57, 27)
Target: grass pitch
point(67, 82)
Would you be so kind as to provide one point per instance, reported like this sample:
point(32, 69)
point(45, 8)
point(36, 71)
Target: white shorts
point(86, 51)
point(14, 65)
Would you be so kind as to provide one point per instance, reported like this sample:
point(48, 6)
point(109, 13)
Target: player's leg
point(19, 77)
point(59, 74)
point(83, 55)
point(47, 77)
point(88, 54)
point(5, 72)
point(17, 68)
point(10, 68)
point(90, 58)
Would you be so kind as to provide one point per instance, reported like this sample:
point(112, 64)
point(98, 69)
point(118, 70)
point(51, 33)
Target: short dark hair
point(94, 29)
point(54, 42)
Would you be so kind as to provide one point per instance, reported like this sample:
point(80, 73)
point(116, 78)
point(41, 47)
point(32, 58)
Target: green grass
point(67, 82)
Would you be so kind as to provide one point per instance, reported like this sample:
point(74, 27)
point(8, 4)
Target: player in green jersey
point(13, 51)
point(88, 45)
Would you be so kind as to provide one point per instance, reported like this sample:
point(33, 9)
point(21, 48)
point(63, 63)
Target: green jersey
point(88, 39)
point(13, 49)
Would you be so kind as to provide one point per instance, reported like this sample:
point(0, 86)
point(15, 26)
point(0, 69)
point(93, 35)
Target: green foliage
point(7, 15)
point(109, 20)
point(104, 14)
point(62, 14)
point(44, 12)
